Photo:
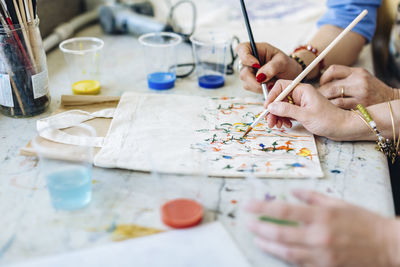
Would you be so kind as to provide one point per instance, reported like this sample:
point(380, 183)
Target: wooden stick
point(30, 8)
point(32, 35)
point(27, 42)
point(310, 67)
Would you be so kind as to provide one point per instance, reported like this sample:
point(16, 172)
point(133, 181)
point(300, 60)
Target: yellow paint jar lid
point(86, 87)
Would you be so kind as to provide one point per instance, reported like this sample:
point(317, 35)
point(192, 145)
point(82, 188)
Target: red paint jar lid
point(182, 213)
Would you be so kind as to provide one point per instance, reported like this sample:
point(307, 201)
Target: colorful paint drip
point(264, 151)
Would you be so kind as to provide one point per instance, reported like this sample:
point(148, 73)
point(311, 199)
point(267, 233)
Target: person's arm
point(318, 115)
point(339, 14)
point(380, 113)
point(346, 52)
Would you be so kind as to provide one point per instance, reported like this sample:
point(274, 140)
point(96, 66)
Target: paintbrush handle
point(313, 64)
point(249, 31)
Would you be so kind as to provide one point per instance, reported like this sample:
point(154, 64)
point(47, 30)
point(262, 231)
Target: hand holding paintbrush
point(309, 68)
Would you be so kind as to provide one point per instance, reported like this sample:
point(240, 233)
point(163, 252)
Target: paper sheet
point(165, 133)
point(207, 245)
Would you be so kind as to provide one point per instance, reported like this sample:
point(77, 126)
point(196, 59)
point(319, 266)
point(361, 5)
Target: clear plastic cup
point(160, 50)
point(83, 56)
point(67, 169)
point(210, 52)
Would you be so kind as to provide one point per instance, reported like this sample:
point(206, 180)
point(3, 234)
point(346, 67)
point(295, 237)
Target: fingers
point(276, 65)
point(284, 109)
point(294, 255)
point(249, 80)
point(335, 72)
point(331, 90)
point(281, 210)
point(246, 56)
point(279, 86)
point(278, 233)
point(345, 103)
point(315, 198)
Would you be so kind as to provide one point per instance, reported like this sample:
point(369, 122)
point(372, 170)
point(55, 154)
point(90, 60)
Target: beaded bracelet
point(299, 60)
point(386, 146)
point(313, 50)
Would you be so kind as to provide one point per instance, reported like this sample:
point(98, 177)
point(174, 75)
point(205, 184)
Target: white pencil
point(310, 67)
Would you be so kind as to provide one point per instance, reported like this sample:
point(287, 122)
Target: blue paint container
point(211, 81)
point(161, 80)
point(160, 50)
point(210, 51)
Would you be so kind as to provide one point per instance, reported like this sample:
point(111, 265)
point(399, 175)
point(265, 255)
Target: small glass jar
point(24, 83)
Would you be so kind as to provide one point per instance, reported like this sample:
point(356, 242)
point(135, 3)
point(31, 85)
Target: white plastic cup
point(160, 50)
point(67, 169)
point(210, 51)
point(83, 56)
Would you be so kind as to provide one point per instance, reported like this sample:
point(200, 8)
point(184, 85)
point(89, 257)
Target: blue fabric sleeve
point(341, 12)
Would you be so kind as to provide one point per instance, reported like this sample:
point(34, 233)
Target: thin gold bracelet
point(362, 118)
point(395, 151)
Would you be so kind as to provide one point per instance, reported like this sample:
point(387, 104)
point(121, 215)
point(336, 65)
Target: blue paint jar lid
point(211, 81)
point(161, 80)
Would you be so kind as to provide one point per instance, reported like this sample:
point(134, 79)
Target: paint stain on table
point(335, 171)
point(127, 231)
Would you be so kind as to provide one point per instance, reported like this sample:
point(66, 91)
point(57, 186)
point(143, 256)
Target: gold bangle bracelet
point(394, 152)
point(362, 118)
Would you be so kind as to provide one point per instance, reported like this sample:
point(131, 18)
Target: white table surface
point(31, 228)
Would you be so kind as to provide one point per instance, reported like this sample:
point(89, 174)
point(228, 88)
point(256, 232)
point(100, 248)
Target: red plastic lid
point(182, 213)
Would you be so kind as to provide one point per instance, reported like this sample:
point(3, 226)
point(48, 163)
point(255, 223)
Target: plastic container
point(210, 52)
point(160, 50)
point(68, 174)
point(24, 83)
point(83, 57)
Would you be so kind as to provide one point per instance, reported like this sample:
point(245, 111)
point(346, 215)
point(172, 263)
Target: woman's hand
point(331, 233)
point(314, 112)
point(357, 85)
point(274, 64)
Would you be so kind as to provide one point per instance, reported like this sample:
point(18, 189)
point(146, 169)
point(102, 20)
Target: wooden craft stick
point(32, 35)
point(310, 67)
point(75, 100)
point(23, 25)
point(30, 8)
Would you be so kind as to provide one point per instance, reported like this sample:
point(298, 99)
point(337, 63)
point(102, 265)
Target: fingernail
point(261, 77)
point(270, 86)
point(256, 66)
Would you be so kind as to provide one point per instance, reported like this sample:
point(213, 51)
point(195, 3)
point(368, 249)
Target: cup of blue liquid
point(160, 50)
point(67, 169)
point(210, 52)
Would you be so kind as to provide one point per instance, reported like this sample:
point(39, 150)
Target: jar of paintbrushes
point(23, 68)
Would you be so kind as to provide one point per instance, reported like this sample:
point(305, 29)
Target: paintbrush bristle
point(248, 130)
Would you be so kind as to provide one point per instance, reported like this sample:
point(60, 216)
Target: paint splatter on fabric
point(183, 134)
point(264, 152)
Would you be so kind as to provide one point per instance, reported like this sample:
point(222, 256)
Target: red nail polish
point(256, 66)
point(270, 86)
point(261, 77)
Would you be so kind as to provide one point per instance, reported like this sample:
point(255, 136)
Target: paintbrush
point(310, 67)
point(252, 43)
